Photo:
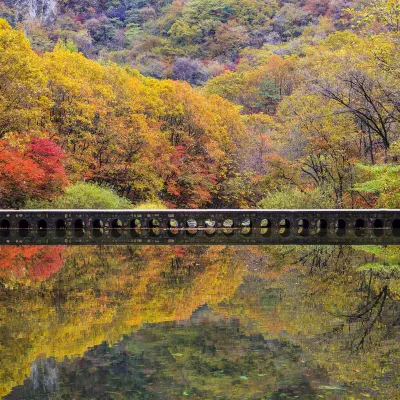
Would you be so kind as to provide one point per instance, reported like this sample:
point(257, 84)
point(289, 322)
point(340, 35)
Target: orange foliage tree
point(33, 171)
point(30, 263)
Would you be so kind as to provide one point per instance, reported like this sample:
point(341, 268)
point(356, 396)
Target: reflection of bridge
point(199, 226)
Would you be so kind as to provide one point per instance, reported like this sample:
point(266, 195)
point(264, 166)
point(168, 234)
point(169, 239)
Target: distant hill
point(189, 40)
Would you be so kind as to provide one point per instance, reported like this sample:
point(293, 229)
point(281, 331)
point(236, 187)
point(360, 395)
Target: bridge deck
point(239, 227)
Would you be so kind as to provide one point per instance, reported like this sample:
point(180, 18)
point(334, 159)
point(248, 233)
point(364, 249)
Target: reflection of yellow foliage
point(104, 294)
point(315, 298)
point(314, 312)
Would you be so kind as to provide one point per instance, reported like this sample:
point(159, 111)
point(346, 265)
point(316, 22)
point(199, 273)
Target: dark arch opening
point(191, 223)
point(359, 226)
point(396, 227)
point(79, 224)
point(322, 227)
point(5, 224)
point(155, 225)
point(116, 227)
point(42, 227)
point(173, 227)
point(303, 227)
point(246, 227)
point(135, 226)
point(136, 223)
point(23, 226)
point(210, 227)
point(191, 226)
point(79, 227)
point(265, 227)
point(379, 227)
point(98, 224)
point(265, 223)
point(5, 227)
point(42, 224)
point(116, 224)
point(284, 223)
point(61, 227)
point(227, 225)
point(284, 227)
point(98, 227)
point(304, 223)
point(341, 226)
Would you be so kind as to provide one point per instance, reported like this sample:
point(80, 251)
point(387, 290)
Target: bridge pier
point(199, 226)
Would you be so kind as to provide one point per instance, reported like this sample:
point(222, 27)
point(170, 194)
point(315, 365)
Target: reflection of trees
point(101, 294)
point(376, 306)
point(326, 260)
point(347, 319)
point(207, 357)
point(339, 304)
point(368, 315)
point(29, 263)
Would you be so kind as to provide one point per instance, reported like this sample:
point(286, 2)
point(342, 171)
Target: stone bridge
point(210, 226)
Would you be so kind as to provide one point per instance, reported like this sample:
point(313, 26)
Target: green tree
point(384, 185)
point(85, 195)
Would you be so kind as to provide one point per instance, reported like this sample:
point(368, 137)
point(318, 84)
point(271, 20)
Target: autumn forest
point(202, 103)
point(162, 104)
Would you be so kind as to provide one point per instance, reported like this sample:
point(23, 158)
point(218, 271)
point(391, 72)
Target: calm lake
point(219, 322)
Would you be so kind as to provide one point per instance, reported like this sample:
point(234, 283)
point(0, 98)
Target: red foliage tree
point(34, 172)
point(48, 155)
point(36, 263)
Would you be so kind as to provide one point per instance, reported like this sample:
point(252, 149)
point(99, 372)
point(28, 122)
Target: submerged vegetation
point(200, 103)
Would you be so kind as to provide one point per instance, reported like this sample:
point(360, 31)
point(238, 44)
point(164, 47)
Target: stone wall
point(199, 226)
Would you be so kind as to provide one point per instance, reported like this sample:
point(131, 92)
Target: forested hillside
point(229, 103)
point(187, 40)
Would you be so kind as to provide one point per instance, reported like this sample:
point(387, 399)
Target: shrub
point(150, 205)
point(85, 195)
point(295, 198)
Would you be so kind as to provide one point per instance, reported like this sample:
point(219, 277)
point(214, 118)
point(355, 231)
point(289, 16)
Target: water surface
point(219, 322)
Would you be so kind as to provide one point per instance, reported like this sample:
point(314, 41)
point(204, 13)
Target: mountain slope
point(187, 40)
